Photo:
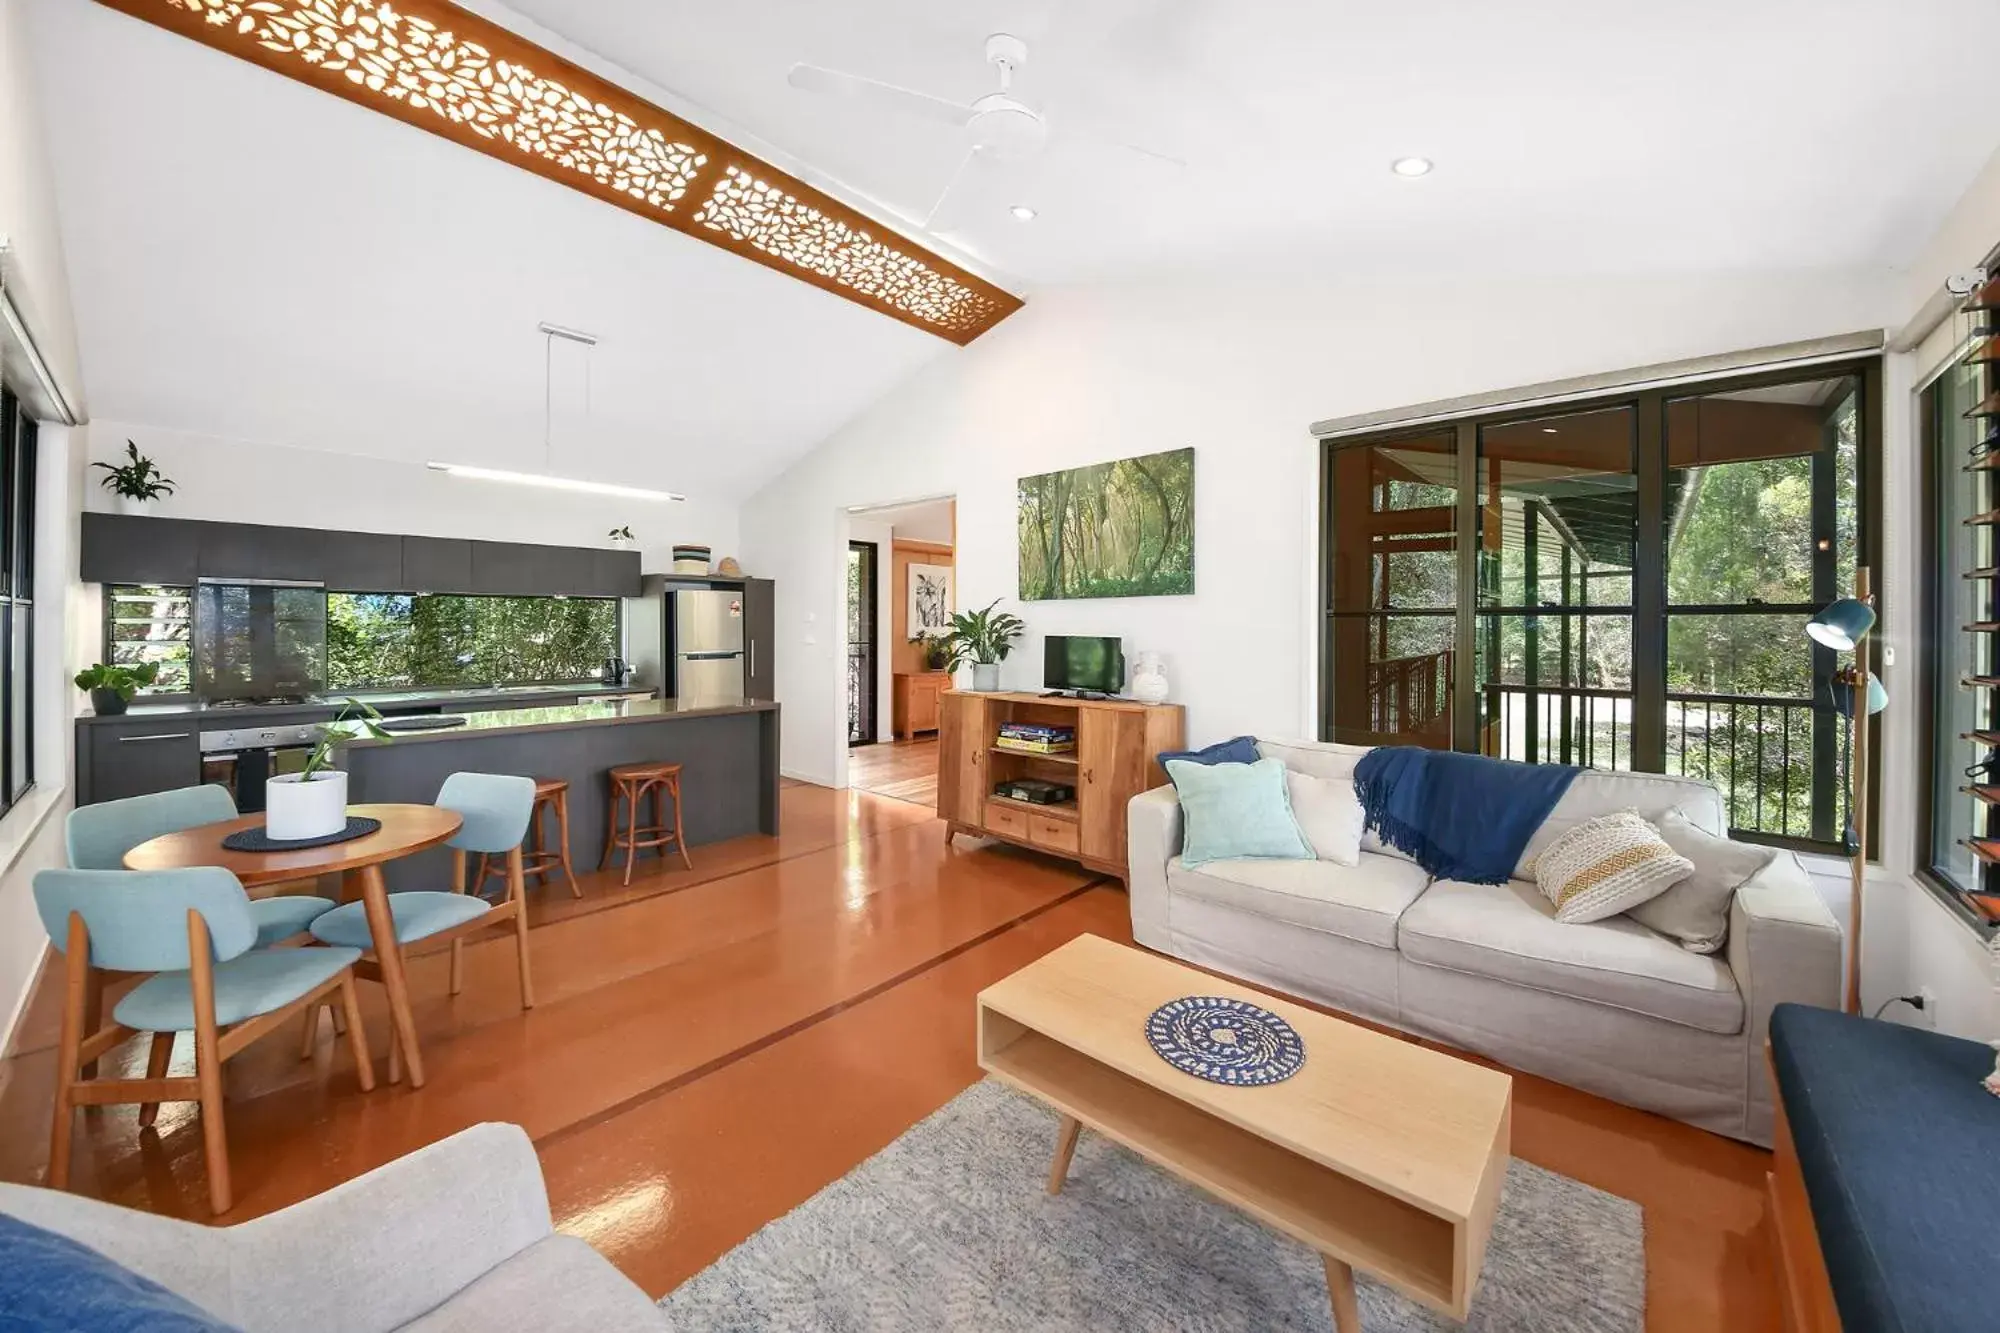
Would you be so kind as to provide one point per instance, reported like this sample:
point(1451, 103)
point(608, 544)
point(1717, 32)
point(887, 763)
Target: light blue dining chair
point(100, 835)
point(495, 809)
point(194, 930)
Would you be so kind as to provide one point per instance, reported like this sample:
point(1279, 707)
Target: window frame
point(1649, 588)
point(19, 440)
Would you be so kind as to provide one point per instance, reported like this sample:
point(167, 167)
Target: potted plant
point(982, 639)
point(112, 687)
point(622, 537)
point(935, 653)
point(312, 803)
point(135, 482)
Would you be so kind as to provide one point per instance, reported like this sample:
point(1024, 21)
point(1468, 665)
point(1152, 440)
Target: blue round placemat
point(257, 840)
point(1225, 1041)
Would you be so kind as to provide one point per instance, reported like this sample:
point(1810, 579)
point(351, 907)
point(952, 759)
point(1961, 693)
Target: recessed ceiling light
point(1023, 212)
point(1550, 430)
point(1411, 166)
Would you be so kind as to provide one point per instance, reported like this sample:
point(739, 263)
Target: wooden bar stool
point(537, 860)
point(632, 783)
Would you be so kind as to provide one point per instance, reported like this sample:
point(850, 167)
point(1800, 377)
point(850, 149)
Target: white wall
point(261, 483)
point(1238, 370)
point(33, 269)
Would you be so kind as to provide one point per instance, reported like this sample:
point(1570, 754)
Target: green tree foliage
point(390, 640)
point(1123, 529)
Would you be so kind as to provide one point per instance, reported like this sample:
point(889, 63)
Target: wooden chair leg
point(562, 842)
point(518, 891)
point(309, 1038)
point(208, 1065)
point(395, 1057)
point(69, 1047)
point(357, 1040)
point(157, 1061)
point(674, 786)
point(638, 798)
point(93, 1013)
point(339, 1021)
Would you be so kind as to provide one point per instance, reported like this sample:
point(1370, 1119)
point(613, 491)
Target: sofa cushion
point(1509, 932)
point(1236, 810)
point(1595, 793)
point(554, 1286)
point(1360, 902)
point(1895, 1138)
point(48, 1281)
point(1695, 912)
point(1329, 814)
point(1607, 865)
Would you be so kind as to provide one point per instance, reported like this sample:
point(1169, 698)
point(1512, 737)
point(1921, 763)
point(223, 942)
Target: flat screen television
point(1082, 664)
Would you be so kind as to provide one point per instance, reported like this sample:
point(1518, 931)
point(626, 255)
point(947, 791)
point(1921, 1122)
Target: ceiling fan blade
point(875, 93)
point(1070, 127)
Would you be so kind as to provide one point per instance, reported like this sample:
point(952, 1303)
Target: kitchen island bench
point(727, 749)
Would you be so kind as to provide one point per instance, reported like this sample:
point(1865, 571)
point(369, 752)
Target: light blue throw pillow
point(1237, 812)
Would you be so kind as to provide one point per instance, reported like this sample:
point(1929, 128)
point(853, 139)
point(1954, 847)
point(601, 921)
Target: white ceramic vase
point(296, 809)
point(986, 677)
point(1149, 679)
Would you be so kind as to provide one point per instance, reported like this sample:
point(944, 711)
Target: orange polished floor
point(711, 1048)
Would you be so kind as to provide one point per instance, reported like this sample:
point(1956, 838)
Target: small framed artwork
point(930, 600)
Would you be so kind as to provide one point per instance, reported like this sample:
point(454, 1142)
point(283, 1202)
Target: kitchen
point(554, 662)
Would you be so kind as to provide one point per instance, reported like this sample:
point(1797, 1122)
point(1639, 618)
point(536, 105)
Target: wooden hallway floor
point(900, 770)
point(710, 1049)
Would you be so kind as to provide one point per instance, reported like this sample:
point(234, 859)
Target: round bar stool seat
point(631, 784)
point(538, 860)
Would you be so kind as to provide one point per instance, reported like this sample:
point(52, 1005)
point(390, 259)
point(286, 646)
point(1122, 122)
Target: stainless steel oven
point(243, 759)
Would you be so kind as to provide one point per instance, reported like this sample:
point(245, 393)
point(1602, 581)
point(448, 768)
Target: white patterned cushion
point(1329, 814)
point(1608, 864)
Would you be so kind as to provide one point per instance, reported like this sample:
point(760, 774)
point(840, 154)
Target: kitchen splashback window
point(442, 641)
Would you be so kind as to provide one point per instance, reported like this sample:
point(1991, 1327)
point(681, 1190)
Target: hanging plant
point(135, 479)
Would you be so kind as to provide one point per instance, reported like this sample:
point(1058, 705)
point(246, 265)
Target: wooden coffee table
point(1379, 1153)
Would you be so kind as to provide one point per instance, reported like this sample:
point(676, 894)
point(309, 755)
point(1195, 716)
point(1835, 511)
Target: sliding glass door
point(1619, 584)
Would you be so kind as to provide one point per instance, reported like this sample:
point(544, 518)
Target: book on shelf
point(1021, 746)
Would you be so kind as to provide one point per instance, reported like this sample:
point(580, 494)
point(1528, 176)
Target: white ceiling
point(253, 259)
point(1569, 134)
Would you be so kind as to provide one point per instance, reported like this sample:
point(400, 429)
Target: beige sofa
point(1610, 1007)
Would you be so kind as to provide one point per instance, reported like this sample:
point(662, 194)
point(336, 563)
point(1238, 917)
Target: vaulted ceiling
point(255, 259)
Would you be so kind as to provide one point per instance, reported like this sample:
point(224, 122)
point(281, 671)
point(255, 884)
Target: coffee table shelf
point(1380, 1154)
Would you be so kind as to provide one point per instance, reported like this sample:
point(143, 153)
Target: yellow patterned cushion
point(1606, 865)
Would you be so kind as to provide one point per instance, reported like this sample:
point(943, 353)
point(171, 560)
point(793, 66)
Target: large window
point(1961, 588)
point(17, 599)
point(388, 640)
point(395, 640)
point(1621, 584)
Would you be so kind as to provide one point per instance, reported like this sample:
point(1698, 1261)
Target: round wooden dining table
point(405, 829)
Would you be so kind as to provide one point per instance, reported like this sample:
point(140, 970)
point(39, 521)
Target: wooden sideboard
point(914, 707)
point(1117, 744)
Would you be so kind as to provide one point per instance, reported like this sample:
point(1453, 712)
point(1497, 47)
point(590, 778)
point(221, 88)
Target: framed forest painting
point(1121, 529)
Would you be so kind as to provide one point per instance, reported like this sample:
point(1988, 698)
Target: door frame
point(871, 598)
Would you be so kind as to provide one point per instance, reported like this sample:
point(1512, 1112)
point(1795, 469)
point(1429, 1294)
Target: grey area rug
point(950, 1227)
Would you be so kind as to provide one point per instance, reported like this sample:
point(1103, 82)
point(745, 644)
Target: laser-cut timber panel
point(446, 70)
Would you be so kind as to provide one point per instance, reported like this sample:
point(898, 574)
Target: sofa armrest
point(1784, 946)
point(186, 1258)
point(385, 1247)
point(1152, 838)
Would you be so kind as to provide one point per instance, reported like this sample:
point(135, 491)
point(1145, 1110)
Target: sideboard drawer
point(1010, 820)
point(1058, 835)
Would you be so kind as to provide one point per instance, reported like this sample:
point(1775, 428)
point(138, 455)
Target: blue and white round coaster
point(1225, 1041)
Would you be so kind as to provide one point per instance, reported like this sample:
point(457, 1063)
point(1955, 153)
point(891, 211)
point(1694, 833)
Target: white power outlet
point(1928, 1016)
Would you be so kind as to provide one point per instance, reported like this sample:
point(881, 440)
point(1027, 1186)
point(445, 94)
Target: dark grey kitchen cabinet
point(760, 634)
point(130, 548)
point(137, 758)
point(615, 574)
point(361, 561)
point(436, 564)
point(259, 551)
point(519, 569)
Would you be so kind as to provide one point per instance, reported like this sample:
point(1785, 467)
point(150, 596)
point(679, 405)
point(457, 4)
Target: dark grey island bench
point(727, 749)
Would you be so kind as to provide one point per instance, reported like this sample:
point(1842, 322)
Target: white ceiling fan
point(1003, 130)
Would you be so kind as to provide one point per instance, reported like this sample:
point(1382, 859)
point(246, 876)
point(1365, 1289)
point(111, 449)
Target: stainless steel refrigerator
point(706, 639)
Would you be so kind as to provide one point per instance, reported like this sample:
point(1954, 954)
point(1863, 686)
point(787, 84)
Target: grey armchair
point(454, 1236)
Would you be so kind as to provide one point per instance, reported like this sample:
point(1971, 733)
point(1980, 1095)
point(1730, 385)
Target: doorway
point(863, 643)
point(915, 592)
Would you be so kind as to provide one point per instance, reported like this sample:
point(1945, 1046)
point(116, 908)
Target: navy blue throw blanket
point(1462, 816)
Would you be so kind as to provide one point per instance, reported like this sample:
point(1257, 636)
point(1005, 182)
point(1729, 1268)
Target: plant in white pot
point(312, 803)
point(136, 482)
point(982, 640)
